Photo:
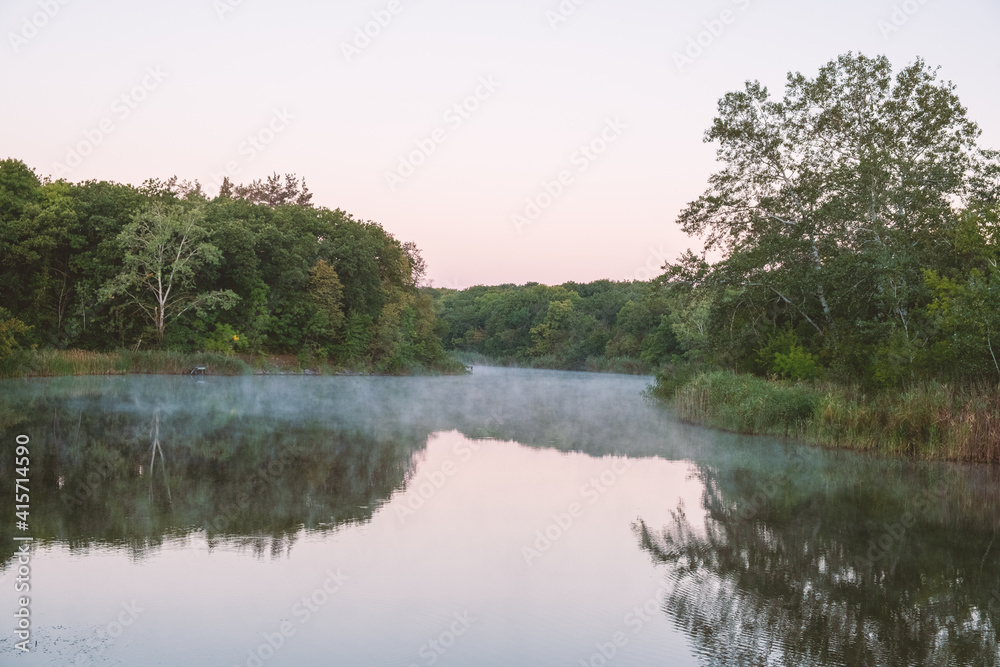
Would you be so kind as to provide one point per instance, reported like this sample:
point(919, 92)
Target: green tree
point(550, 335)
point(103, 210)
point(831, 201)
point(327, 293)
point(967, 314)
point(10, 327)
point(165, 247)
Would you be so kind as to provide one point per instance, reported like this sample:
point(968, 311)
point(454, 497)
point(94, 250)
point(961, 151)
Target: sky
point(513, 141)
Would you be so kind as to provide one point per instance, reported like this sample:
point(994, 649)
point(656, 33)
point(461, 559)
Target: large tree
point(833, 199)
point(165, 247)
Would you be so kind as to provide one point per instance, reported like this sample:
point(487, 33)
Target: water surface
point(510, 517)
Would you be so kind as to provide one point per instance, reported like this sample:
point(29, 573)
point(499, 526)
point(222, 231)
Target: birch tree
point(165, 248)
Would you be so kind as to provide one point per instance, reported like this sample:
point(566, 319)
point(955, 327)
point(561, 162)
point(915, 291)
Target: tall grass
point(42, 363)
point(929, 420)
point(27, 363)
point(745, 403)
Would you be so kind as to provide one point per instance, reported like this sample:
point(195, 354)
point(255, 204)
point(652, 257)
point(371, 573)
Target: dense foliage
point(856, 225)
point(855, 231)
point(100, 266)
point(570, 326)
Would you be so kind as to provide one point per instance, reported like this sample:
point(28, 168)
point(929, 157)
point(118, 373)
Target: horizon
point(446, 123)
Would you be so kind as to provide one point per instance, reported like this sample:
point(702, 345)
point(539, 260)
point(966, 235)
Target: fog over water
point(505, 517)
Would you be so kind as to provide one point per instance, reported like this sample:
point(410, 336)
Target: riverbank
point(931, 420)
point(51, 363)
point(619, 365)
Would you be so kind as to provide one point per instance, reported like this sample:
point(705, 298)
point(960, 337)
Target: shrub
point(796, 364)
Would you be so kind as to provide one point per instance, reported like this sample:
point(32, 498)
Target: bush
point(797, 364)
point(225, 340)
point(10, 328)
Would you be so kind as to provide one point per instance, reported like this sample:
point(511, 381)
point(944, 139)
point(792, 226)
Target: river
point(508, 517)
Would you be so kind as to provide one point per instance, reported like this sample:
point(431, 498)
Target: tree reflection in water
point(236, 479)
point(814, 574)
point(154, 435)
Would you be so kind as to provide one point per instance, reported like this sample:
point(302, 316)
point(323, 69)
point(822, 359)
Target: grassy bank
point(44, 363)
point(48, 363)
point(929, 420)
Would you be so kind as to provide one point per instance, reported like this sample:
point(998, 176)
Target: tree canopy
point(99, 265)
point(838, 212)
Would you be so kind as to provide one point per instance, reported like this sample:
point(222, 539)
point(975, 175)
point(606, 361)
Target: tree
point(327, 293)
point(226, 189)
point(832, 200)
point(968, 317)
point(418, 267)
point(165, 247)
point(37, 246)
point(272, 191)
point(10, 327)
point(549, 335)
point(94, 265)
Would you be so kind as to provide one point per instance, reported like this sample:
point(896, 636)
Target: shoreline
point(25, 364)
point(929, 421)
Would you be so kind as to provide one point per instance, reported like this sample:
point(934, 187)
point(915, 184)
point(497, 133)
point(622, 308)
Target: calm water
point(505, 518)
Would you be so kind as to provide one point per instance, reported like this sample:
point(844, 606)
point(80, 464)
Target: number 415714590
point(21, 491)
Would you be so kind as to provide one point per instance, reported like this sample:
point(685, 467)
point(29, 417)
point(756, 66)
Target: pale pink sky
point(200, 77)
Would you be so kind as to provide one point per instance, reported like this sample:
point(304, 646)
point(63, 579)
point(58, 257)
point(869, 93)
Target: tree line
point(258, 269)
point(572, 326)
point(852, 232)
point(856, 224)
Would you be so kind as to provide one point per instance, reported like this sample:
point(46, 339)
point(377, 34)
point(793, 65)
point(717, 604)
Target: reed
point(927, 420)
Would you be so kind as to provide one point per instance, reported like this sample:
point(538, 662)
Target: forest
point(603, 325)
point(846, 287)
point(853, 233)
point(100, 266)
